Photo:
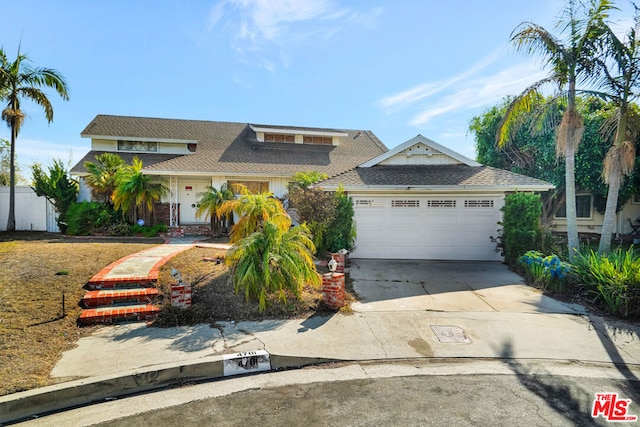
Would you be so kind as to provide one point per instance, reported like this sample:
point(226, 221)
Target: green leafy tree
point(209, 204)
point(5, 164)
point(521, 230)
point(57, 187)
point(621, 82)
point(19, 81)
point(102, 175)
point(570, 60)
point(306, 179)
point(341, 231)
point(317, 209)
point(273, 262)
point(136, 192)
point(533, 153)
point(253, 211)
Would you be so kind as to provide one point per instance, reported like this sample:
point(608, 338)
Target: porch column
point(173, 201)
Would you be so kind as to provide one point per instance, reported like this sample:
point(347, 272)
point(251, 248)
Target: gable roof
point(421, 164)
point(419, 139)
point(232, 148)
point(433, 177)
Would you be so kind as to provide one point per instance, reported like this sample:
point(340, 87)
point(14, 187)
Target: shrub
point(90, 217)
point(521, 229)
point(612, 280)
point(545, 272)
point(148, 231)
point(341, 233)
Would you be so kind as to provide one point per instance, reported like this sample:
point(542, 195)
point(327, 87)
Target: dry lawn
point(36, 270)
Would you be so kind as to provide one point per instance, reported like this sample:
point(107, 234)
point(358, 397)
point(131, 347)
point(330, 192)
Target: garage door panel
point(422, 231)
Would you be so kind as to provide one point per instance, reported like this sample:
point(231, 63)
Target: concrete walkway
point(411, 309)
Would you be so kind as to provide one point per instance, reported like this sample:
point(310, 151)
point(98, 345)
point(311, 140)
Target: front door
point(190, 194)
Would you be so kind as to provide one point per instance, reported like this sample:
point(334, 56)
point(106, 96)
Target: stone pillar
point(333, 290)
point(339, 258)
point(181, 295)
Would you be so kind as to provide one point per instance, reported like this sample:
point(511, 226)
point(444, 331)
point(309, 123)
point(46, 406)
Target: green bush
point(612, 280)
point(546, 272)
point(148, 231)
point(90, 217)
point(521, 229)
point(340, 233)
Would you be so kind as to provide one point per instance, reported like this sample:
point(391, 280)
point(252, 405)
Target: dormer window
point(317, 140)
point(124, 145)
point(278, 137)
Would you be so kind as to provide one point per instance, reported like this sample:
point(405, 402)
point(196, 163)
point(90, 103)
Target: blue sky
point(397, 68)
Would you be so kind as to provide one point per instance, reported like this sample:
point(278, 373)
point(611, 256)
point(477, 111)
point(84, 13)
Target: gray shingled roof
point(225, 147)
point(432, 175)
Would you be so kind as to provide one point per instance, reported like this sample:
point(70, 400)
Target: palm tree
point(20, 81)
point(254, 210)
point(621, 81)
point(135, 190)
point(210, 202)
point(102, 175)
point(273, 261)
point(571, 60)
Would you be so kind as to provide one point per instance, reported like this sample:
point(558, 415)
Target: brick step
point(122, 313)
point(120, 284)
point(103, 297)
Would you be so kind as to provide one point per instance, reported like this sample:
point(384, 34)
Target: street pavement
point(407, 310)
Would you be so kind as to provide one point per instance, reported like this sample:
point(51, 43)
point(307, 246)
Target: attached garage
point(424, 201)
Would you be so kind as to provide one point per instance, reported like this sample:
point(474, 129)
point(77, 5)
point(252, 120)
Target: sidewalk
point(505, 321)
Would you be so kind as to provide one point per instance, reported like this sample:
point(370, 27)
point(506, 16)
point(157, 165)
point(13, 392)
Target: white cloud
point(424, 90)
point(258, 25)
point(471, 93)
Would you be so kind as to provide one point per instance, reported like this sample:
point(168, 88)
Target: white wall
point(32, 212)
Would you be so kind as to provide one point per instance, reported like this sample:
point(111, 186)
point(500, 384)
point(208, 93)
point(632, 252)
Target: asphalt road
point(495, 394)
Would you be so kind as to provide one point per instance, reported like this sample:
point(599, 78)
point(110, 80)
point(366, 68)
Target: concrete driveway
point(447, 286)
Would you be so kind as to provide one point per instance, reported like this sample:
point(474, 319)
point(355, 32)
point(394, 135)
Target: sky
point(398, 68)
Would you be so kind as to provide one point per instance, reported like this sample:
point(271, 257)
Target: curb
point(20, 406)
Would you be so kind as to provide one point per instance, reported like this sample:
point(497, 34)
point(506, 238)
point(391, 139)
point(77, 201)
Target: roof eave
point(440, 188)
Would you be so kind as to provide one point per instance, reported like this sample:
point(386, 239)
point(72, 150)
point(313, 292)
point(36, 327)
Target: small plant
point(546, 272)
point(612, 280)
point(62, 273)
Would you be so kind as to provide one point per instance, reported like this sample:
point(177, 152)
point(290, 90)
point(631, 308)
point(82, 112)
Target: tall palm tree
point(273, 261)
point(102, 175)
point(621, 83)
point(135, 191)
point(254, 210)
point(570, 60)
point(210, 202)
point(18, 81)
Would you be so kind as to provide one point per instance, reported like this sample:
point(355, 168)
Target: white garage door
point(448, 228)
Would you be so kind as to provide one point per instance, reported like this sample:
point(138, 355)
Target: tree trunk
point(571, 145)
point(615, 179)
point(11, 221)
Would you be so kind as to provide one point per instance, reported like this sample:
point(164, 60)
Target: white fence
point(33, 213)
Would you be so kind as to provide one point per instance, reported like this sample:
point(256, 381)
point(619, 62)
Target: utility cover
point(450, 334)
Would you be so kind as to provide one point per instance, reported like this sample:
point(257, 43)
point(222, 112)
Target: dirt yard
point(38, 269)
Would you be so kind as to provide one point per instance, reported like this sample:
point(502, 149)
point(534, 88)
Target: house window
point(137, 146)
point(478, 203)
point(277, 137)
point(255, 187)
point(369, 203)
point(583, 207)
point(317, 140)
point(441, 203)
point(405, 203)
point(636, 199)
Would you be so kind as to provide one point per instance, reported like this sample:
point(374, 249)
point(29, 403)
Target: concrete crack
point(376, 337)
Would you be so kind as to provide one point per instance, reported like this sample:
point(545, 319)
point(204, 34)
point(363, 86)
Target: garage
point(410, 227)
point(422, 200)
